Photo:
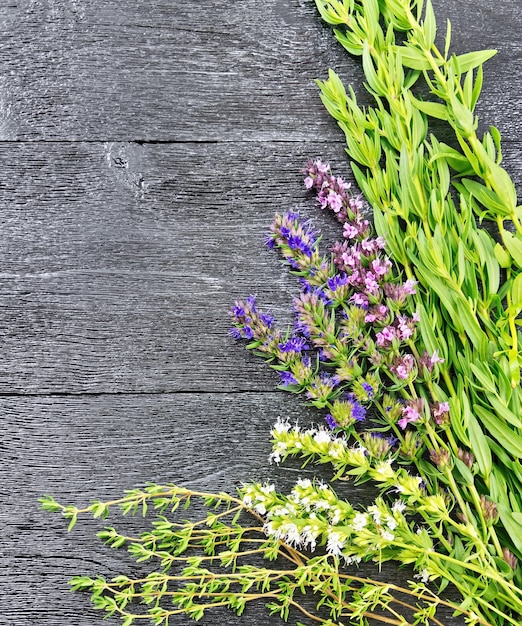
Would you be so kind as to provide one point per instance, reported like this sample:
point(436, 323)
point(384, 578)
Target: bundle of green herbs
point(406, 340)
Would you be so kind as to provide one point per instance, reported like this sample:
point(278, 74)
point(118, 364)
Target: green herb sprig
point(471, 314)
point(207, 563)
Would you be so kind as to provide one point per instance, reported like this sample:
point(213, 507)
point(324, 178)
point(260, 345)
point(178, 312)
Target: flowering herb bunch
point(362, 348)
point(424, 194)
point(406, 339)
point(243, 549)
point(355, 352)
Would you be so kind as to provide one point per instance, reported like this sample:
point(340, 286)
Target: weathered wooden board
point(200, 71)
point(83, 447)
point(109, 286)
point(144, 147)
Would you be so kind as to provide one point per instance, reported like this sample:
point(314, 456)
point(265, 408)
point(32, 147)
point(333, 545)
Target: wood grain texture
point(144, 147)
point(83, 447)
point(201, 71)
point(111, 286)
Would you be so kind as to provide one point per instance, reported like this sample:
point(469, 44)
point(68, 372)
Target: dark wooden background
point(144, 147)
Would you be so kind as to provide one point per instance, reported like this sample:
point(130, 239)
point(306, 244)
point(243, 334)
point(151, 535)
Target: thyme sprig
point(210, 563)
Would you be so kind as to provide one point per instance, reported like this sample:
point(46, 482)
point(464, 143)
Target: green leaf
point(470, 60)
point(462, 119)
point(516, 292)
point(480, 447)
point(349, 42)
point(461, 262)
point(413, 58)
point(375, 83)
point(512, 525)
point(501, 182)
point(464, 471)
point(505, 435)
point(433, 109)
point(485, 245)
point(429, 25)
point(459, 420)
point(48, 503)
point(498, 487)
point(477, 87)
point(503, 257)
point(426, 329)
point(467, 90)
point(514, 246)
point(517, 517)
point(471, 326)
point(72, 522)
point(335, 14)
point(447, 40)
point(495, 134)
point(504, 412)
point(482, 372)
point(487, 197)
point(455, 159)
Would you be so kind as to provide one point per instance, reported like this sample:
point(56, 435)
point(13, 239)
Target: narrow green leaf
point(374, 81)
point(459, 422)
point(502, 184)
point(516, 291)
point(486, 244)
point(498, 487)
point(467, 89)
point(413, 58)
point(335, 14)
point(72, 522)
point(464, 471)
point(447, 40)
point(514, 246)
point(487, 197)
point(502, 255)
point(433, 109)
point(495, 134)
point(471, 325)
point(461, 262)
point(349, 42)
point(482, 372)
point(426, 329)
point(429, 25)
point(477, 87)
point(512, 525)
point(471, 60)
point(479, 447)
point(504, 412)
point(505, 435)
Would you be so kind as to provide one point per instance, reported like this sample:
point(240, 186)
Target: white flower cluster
point(312, 514)
point(288, 440)
point(259, 498)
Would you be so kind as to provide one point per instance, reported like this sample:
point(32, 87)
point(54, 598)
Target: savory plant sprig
point(470, 287)
point(233, 555)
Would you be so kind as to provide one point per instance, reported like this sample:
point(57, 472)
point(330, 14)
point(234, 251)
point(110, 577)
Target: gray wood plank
point(121, 253)
point(204, 70)
point(107, 287)
point(83, 447)
point(110, 287)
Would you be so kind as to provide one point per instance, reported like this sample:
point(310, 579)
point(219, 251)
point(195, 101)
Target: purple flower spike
point(330, 421)
point(295, 344)
point(287, 378)
point(370, 392)
point(358, 411)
